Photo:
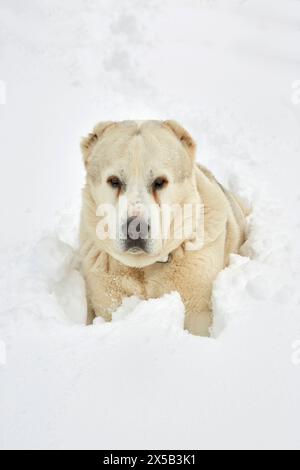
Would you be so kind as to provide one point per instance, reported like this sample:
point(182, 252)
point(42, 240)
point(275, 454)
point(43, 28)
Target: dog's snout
point(137, 228)
point(136, 231)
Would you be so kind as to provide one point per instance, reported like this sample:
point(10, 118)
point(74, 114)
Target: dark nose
point(136, 232)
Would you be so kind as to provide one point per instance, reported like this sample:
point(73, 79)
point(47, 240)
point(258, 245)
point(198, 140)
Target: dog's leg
point(90, 314)
point(198, 323)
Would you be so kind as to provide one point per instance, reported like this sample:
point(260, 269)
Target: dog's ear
point(87, 143)
point(183, 135)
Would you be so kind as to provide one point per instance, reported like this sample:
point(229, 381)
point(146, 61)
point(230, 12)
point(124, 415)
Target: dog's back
point(236, 211)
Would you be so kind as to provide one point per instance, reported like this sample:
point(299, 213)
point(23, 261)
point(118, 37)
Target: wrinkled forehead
point(145, 149)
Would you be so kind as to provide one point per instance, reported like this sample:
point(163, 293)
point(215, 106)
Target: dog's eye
point(114, 182)
point(159, 183)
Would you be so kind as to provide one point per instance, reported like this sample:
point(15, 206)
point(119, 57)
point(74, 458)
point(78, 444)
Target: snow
point(229, 71)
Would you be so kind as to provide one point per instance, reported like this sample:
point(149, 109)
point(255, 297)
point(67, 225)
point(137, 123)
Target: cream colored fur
point(140, 150)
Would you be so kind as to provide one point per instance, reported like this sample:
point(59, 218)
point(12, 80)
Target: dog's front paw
point(198, 323)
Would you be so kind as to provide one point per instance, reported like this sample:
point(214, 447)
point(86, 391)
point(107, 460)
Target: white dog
point(153, 220)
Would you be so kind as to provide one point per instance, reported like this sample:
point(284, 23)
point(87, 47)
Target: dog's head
point(141, 176)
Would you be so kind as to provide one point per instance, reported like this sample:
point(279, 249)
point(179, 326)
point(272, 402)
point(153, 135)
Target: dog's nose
point(136, 231)
point(137, 228)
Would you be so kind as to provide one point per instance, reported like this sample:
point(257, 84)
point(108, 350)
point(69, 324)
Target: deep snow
point(229, 71)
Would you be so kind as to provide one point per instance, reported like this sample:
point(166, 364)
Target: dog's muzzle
point(136, 233)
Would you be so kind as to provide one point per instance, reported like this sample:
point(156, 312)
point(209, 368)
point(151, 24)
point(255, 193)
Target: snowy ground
point(230, 72)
